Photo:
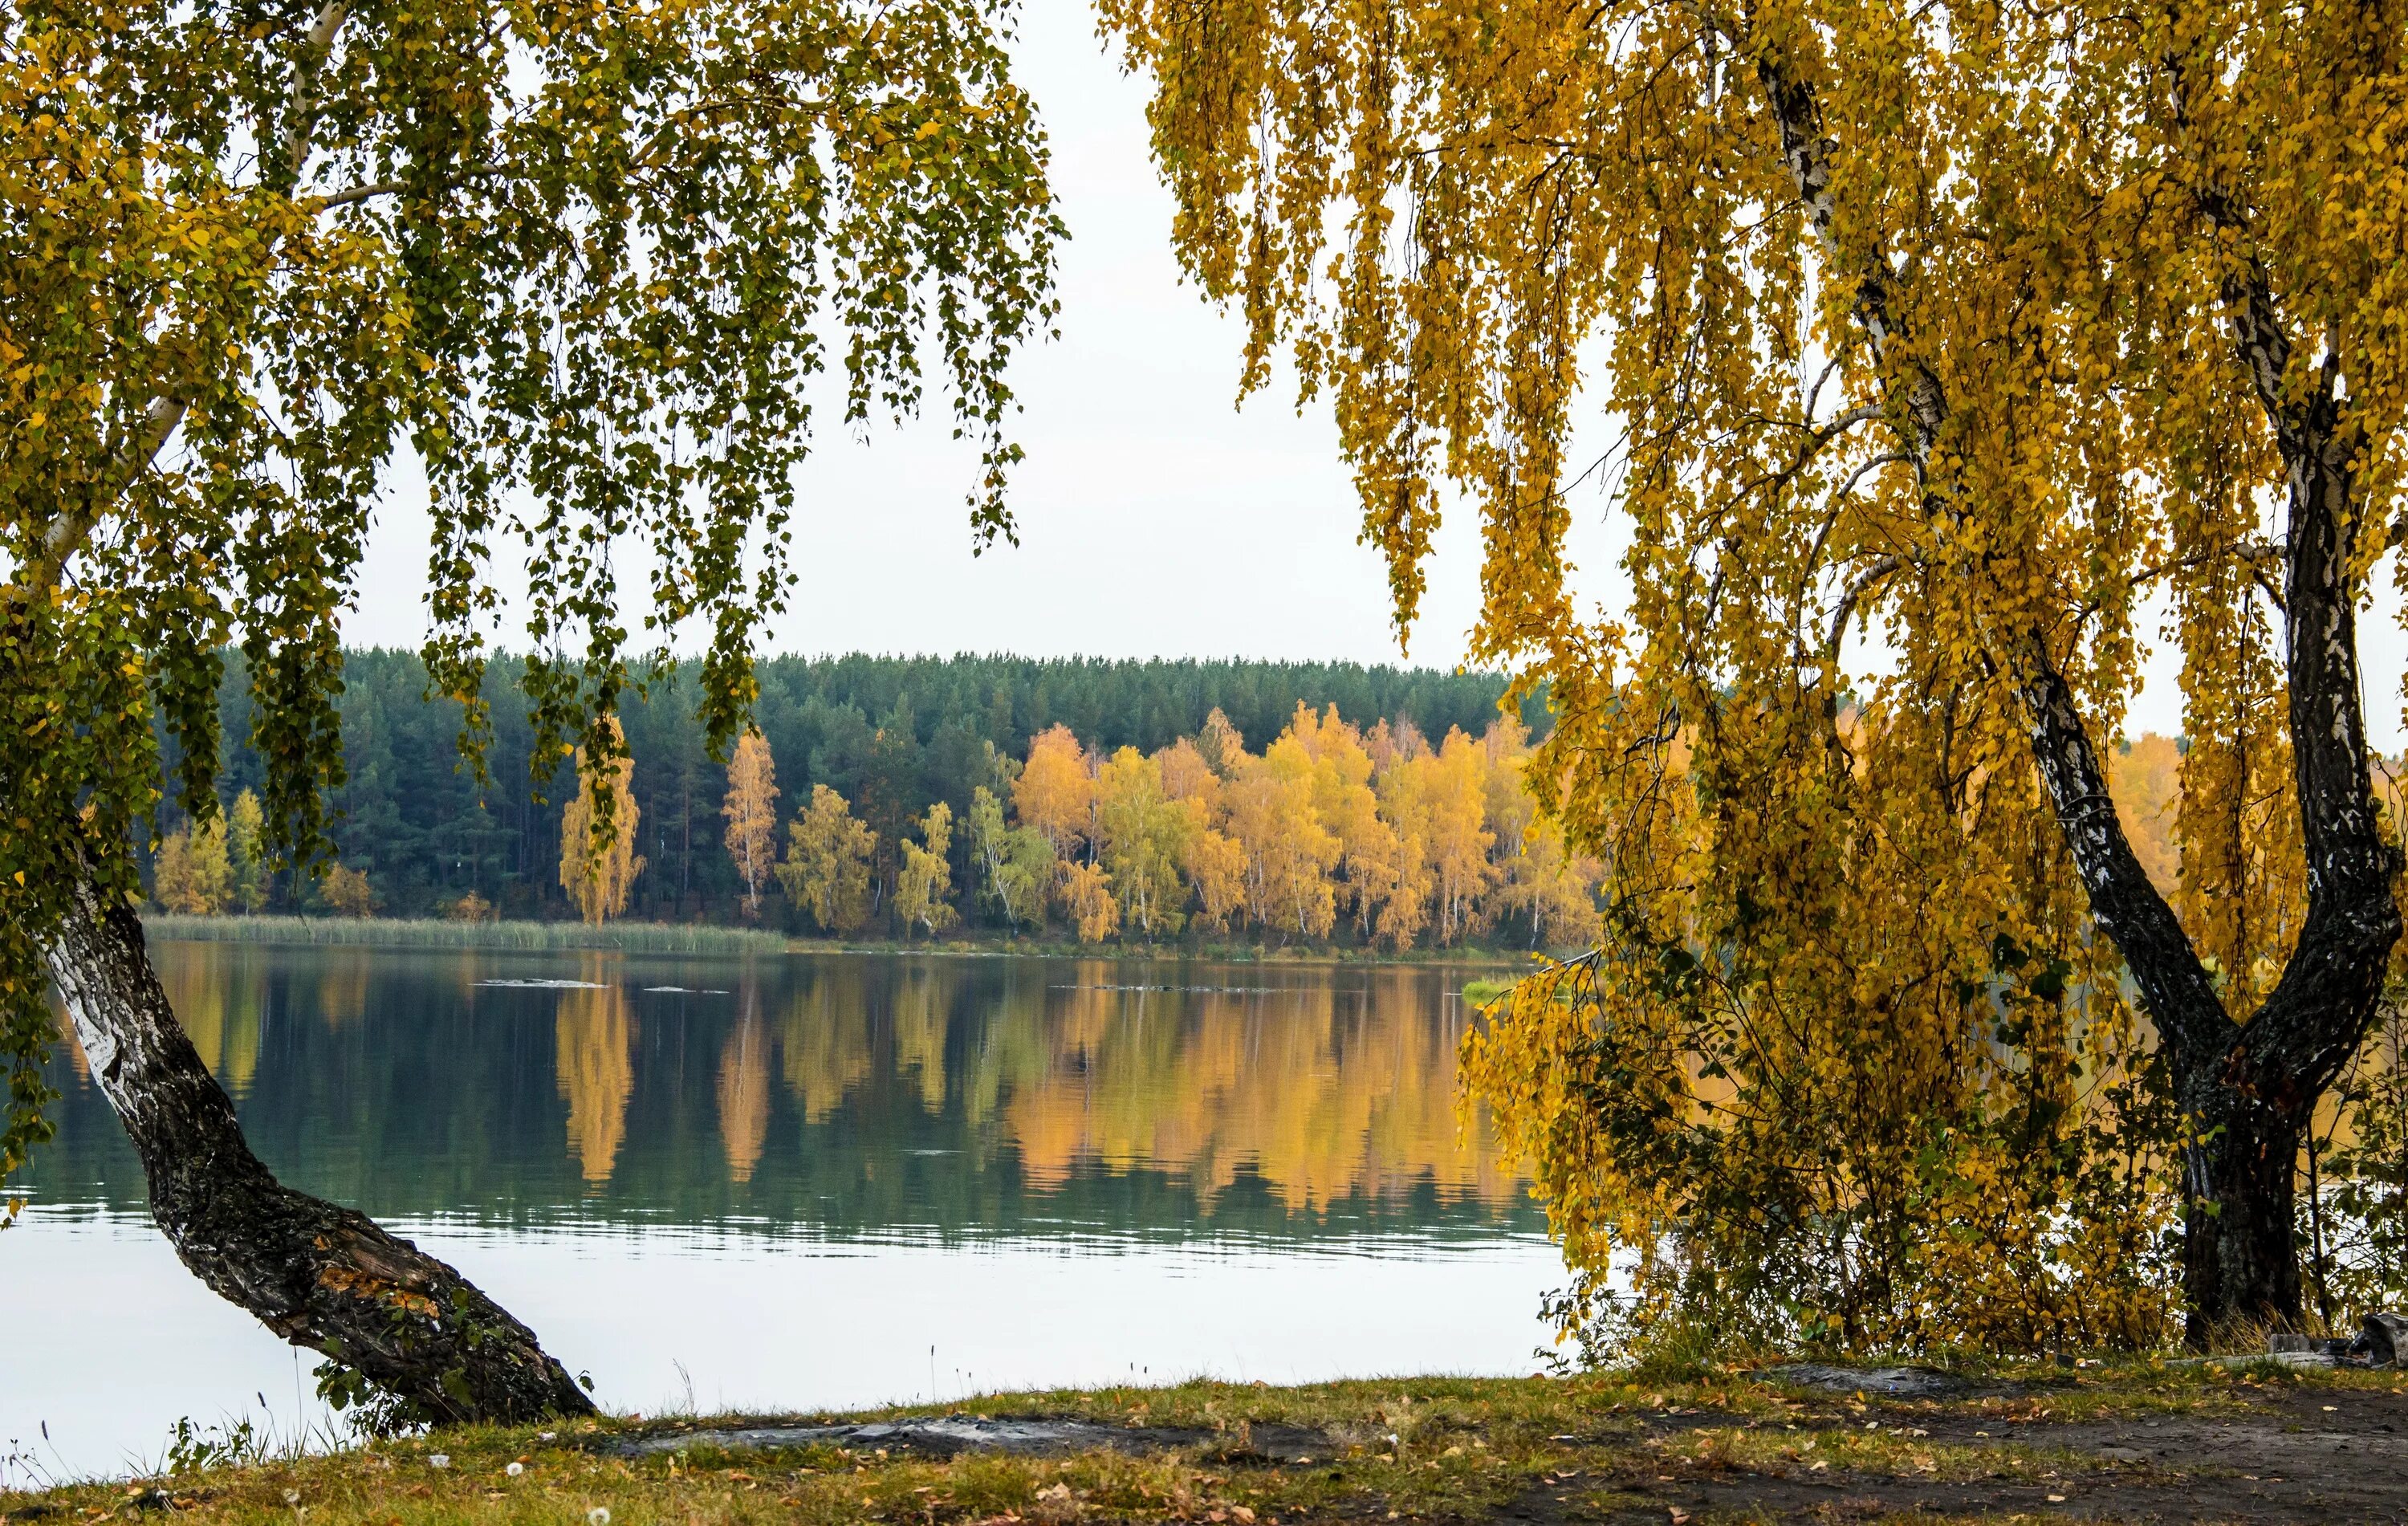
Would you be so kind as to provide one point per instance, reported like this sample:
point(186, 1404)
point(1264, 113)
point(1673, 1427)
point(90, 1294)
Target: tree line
point(1378, 838)
point(893, 742)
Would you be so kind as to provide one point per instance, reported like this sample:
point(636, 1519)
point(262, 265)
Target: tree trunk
point(2248, 1089)
point(2241, 1260)
point(317, 1275)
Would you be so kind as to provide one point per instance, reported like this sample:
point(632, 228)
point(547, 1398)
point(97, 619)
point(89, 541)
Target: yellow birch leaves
point(598, 862)
point(750, 808)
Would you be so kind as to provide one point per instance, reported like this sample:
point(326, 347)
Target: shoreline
point(2127, 1438)
point(702, 939)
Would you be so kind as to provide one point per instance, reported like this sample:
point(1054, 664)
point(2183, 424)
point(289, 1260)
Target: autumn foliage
point(1378, 838)
point(1331, 833)
point(1937, 349)
point(599, 861)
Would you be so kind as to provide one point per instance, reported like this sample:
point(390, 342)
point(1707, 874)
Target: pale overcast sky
point(1155, 518)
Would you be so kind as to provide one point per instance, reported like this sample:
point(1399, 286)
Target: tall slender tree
point(924, 889)
point(752, 812)
point(599, 861)
point(246, 844)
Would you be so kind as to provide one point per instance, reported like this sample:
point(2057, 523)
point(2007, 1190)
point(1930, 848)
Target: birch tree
point(1962, 330)
point(582, 264)
point(750, 808)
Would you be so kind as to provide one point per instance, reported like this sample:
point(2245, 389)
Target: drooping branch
point(2176, 987)
point(67, 532)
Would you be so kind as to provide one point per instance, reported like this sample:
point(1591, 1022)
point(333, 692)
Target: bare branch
point(351, 195)
point(301, 108)
point(1846, 608)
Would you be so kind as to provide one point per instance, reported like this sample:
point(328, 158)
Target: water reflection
point(854, 1095)
point(595, 1039)
point(1143, 1171)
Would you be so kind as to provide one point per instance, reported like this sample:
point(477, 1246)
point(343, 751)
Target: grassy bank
point(698, 939)
point(429, 932)
point(2024, 1443)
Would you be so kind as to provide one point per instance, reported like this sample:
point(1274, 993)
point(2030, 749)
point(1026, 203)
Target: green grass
point(1426, 1448)
point(429, 932)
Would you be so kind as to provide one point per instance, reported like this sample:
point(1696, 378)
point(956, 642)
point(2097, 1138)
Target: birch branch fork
point(2247, 1089)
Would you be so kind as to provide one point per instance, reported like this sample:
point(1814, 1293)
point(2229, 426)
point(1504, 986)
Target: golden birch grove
point(1204, 834)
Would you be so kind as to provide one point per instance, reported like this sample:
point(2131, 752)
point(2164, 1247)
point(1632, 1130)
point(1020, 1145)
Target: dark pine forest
point(891, 734)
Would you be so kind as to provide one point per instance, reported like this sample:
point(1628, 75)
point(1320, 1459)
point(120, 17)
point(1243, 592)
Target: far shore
point(697, 939)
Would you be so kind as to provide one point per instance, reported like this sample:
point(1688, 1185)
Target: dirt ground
point(2306, 1453)
point(2140, 1442)
point(2273, 1446)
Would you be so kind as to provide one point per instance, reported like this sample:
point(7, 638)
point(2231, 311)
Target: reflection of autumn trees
point(824, 1046)
point(860, 1094)
point(219, 996)
point(1323, 1091)
point(343, 986)
point(1325, 1088)
point(744, 1091)
point(595, 1035)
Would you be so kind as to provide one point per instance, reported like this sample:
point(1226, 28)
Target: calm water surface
point(803, 1182)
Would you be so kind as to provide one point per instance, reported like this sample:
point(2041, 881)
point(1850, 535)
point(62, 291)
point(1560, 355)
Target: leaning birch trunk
point(317, 1275)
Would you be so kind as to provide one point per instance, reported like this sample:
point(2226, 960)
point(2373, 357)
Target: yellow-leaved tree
point(1144, 837)
point(1210, 861)
point(752, 812)
point(1288, 851)
point(1015, 864)
point(598, 862)
point(247, 852)
point(1055, 792)
point(193, 873)
point(1934, 342)
point(924, 887)
point(1342, 798)
point(826, 869)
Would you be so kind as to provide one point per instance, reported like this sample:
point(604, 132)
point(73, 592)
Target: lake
point(802, 1182)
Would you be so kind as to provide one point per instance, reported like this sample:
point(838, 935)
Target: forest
point(889, 740)
point(901, 798)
